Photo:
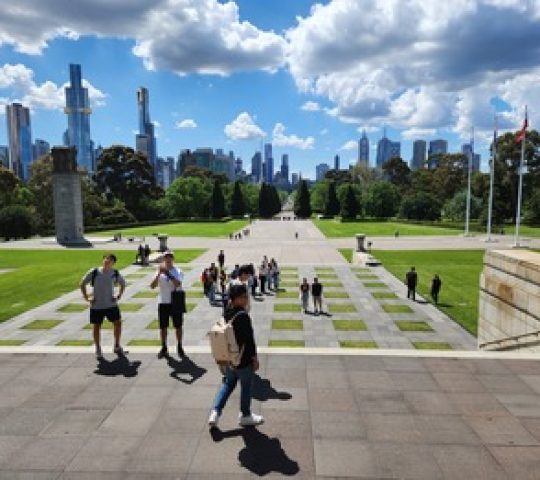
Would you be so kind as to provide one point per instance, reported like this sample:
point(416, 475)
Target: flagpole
point(491, 180)
point(520, 186)
point(469, 171)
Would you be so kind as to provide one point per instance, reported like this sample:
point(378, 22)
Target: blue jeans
point(232, 375)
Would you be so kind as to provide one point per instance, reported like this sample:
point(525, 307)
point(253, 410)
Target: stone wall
point(510, 300)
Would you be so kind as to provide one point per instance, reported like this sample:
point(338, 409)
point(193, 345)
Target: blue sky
point(424, 72)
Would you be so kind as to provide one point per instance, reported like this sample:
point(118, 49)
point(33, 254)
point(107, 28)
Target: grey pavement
point(62, 416)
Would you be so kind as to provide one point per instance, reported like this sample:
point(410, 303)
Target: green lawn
point(146, 294)
point(11, 343)
point(397, 309)
point(332, 294)
point(383, 295)
point(46, 324)
point(342, 308)
point(287, 325)
point(286, 343)
point(412, 326)
point(336, 229)
point(144, 342)
point(40, 276)
point(460, 274)
point(358, 344)
point(374, 284)
point(287, 307)
point(73, 308)
point(432, 346)
point(349, 325)
point(74, 343)
point(181, 229)
point(347, 253)
point(131, 307)
point(286, 294)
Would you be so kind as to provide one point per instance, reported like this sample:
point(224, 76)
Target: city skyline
point(310, 95)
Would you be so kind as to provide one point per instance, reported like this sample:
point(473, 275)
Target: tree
point(40, 185)
point(420, 206)
point(16, 221)
point(339, 176)
point(12, 192)
point(396, 171)
point(265, 210)
point(275, 200)
point(332, 206)
point(189, 197)
point(454, 209)
point(350, 207)
point(218, 201)
point(532, 209)
point(238, 207)
point(319, 195)
point(382, 200)
point(126, 175)
point(302, 205)
point(450, 176)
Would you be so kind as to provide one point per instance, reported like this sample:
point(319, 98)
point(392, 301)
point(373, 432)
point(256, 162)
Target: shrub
point(16, 221)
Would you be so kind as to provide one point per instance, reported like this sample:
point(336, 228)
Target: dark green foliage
point(269, 201)
point(382, 200)
point(332, 206)
point(532, 209)
point(218, 201)
point(454, 209)
point(16, 221)
point(238, 207)
point(339, 176)
point(189, 197)
point(420, 206)
point(397, 171)
point(350, 207)
point(302, 205)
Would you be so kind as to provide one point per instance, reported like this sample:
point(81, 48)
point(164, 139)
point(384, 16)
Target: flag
point(521, 134)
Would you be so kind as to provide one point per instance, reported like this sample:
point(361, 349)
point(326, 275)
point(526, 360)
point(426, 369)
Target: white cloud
point(156, 124)
point(186, 123)
point(243, 127)
point(280, 139)
point(18, 81)
point(414, 133)
point(183, 36)
point(310, 106)
point(350, 145)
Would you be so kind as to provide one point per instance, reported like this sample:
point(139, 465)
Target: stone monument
point(68, 214)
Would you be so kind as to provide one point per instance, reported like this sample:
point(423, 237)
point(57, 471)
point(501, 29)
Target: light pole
point(469, 174)
point(491, 180)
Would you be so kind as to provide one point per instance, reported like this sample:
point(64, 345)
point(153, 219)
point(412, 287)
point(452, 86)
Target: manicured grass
point(287, 325)
point(382, 295)
point(46, 324)
point(72, 308)
point(349, 325)
point(324, 269)
point(360, 269)
point(144, 342)
point(374, 284)
point(397, 309)
point(74, 343)
point(326, 276)
point(181, 229)
point(289, 284)
point(190, 306)
point(332, 294)
point(460, 274)
point(287, 294)
point(145, 294)
point(52, 273)
point(331, 283)
point(288, 269)
point(11, 343)
point(412, 326)
point(286, 343)
point(197, 284)
point(366, 276)
point(342, 308)
point(194, 294)
point(358, 344)
point(336, 229)
point(432, 346)
point(347, 253)
point(153, 325)
point(287, 307)
point(136, 276)
point(106, 325)
point(131, 307)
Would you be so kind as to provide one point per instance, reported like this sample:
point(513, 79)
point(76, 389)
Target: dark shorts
point(97, 316)
point(165, 312)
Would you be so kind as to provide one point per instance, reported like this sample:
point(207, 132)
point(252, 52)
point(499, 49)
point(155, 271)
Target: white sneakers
point(243, 421)
point(250, 420)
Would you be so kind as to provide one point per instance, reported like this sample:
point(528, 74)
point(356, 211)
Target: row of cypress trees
point(348, 209)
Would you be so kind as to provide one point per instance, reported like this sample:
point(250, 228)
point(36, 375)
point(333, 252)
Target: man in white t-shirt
point(169, 279)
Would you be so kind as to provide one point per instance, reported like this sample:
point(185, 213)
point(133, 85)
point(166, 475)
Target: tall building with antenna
point(146, 140)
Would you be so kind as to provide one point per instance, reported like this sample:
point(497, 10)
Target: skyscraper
point(294, 179)
point(436, 147)
point(268, 163)
point(336, 162)
point(467, 151)
point(78, 112)
point(20, 140)
point(386, 149)
point(320, 171)
point(419, 155)
point(145, 139)
point(256, 167)
point(40, 148)
point(4, 156)
point(285, 167)
point(363, 149)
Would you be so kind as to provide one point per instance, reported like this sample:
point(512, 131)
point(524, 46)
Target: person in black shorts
point(103, 300)
point(169, 279)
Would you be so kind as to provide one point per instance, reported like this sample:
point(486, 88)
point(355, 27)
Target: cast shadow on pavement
point(179, 370)
point(262, 390)
point(120, 366)
point(261, 455)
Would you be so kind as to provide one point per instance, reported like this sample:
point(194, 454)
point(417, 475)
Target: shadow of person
point(183, 368)
point(262, 390)
point(119, 366)
point(261, 455)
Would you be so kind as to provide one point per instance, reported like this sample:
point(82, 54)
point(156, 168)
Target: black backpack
point(116, 274)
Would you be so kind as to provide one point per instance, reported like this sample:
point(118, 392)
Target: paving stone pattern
point(64, 417)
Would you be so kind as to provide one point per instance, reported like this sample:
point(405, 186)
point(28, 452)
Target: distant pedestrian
point(249, 363)
point(275, 274)
point(147, 253)
point(222, 281)
point(263, 274)
point(435, 288)
point(316, 293)
point(104, 301)
point(396, 234)
point(304, 295)
point(296, 235)
point(139, 258)
point(212, 283)
point(169, 279)
point(411, 280)
point(221, 259)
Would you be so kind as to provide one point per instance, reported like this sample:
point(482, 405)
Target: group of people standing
point(316, 291)
point(411, 280)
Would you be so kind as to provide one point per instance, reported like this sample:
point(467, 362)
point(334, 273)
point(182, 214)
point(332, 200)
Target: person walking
point(169, 279)
point(275, 274)
point(411, 280)
point(263, 274)
point(212, 280)
point(316, 293)
point(435, 288)
point(104, 301)
point(249, 363)
point(304, 295)
point(221, 259)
